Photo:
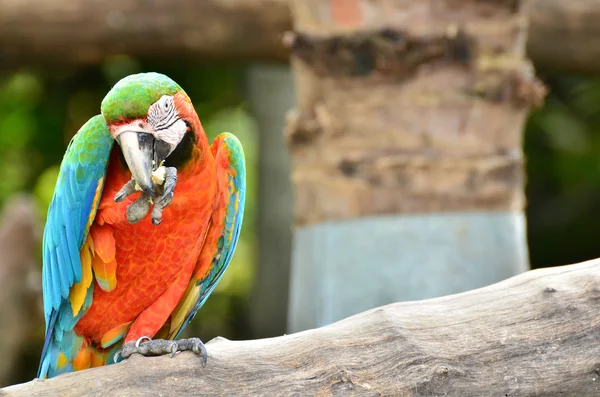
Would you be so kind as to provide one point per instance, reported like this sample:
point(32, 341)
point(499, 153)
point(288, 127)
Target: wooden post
point(406, 147)
point(270, 91)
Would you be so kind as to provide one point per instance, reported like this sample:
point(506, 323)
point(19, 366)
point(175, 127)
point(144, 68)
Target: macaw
point(115, 279)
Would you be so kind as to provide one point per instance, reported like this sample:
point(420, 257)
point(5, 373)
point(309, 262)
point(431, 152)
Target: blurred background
point(239, 82)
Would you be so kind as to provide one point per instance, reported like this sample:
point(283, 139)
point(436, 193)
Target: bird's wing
point(67, 255)
point(222, 235)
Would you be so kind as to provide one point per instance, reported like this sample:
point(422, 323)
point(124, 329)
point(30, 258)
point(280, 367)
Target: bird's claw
point(140, 340)
point(191, 344)
point(158, 347)
point(137, 210)
point(127, 190)
point(169, 186)
point(165, 199)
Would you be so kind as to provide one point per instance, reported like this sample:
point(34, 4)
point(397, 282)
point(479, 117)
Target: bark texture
point(408, 107)
point(535, 334)
point(564, 34)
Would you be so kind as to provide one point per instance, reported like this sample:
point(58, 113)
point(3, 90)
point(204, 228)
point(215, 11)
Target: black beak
point(138, 150)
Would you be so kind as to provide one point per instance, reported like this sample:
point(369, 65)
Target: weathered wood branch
point(533, 334)
point(563, 34)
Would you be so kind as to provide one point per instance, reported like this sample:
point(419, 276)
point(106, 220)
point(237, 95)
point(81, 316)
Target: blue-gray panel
point(346, 267)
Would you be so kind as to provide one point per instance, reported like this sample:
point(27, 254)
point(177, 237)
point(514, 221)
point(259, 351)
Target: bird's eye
point(166, 105)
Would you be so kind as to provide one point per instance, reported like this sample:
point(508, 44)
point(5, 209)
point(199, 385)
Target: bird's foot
point(137, 210)
point(159, 347)
point(127, 190)
point(169, 183)
point(165, 179)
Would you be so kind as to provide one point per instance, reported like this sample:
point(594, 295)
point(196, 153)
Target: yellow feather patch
point(98, 358)
point(61, 361)
point(184, 307)
point(114, 335)
point(79, 290)
point(105, 272)
point(103, 257)
point(90, 241)
point(94, 204)
point(83, 359)
point(234, 217)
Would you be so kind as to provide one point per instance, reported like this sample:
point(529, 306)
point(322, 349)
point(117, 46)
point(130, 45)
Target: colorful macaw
point(114, 277)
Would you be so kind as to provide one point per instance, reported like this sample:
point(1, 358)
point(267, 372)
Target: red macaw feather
point(124, 281)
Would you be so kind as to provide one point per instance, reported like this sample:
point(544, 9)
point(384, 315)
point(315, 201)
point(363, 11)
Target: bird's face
point(147, 141)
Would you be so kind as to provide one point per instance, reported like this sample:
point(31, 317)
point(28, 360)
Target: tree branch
point(533, 334)
point(84, 32)
point(563, 35)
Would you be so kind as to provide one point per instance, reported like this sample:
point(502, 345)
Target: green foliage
point(562, 145)
point(44, 188)
point(20, 94)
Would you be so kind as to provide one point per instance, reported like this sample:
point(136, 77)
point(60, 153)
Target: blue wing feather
point(81, 174)
point(73, 249)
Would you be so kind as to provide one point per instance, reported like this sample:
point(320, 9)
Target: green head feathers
point(131, 97)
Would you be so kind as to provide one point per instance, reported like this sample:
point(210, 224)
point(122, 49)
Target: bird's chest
point(149, 257)
point(160, 252)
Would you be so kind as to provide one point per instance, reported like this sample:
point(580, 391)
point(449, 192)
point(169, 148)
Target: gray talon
point(141, 339)
point(156, 215)
point(169, 186)
point(195, 345)
point(158, 347)
point(165, 199)
point(126, 190)
point(156, 221)
point(137, 210)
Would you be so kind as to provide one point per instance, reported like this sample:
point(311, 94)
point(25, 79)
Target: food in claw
point(112, 275)
point(158, 176)
point(140, 208)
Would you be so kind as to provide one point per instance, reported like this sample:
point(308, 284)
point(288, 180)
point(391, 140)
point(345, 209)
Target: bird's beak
point(138, 150)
